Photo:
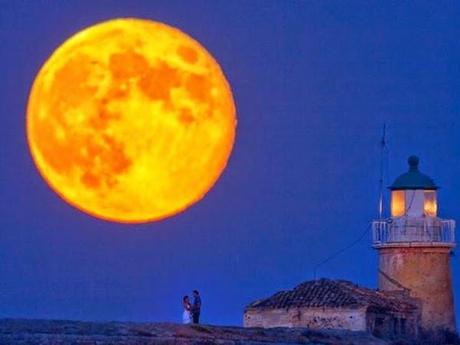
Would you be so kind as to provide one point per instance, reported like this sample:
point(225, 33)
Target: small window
point(403, 326)
point(395, 326)
point(430, 205)
point(398, 203)
point(378, 326)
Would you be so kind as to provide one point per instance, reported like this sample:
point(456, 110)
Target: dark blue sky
point(313, 82)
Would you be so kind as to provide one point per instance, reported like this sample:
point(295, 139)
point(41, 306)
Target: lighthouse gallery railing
point(394, 231)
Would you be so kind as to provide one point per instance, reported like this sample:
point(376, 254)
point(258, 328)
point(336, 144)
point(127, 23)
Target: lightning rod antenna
point(383, 146)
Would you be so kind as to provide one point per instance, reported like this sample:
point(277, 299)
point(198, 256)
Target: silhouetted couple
point(192, 311)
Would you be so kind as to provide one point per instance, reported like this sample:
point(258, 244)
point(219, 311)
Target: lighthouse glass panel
point(398, 203)
point(430, 205)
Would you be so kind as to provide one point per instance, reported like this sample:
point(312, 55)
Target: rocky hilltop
point(51, 332)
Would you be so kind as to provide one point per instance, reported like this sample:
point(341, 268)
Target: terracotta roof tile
point(334, 294)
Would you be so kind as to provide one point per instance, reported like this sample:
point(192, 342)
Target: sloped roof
point(334, 294)
point(413, 179)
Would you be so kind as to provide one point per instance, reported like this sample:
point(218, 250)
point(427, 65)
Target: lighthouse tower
point(414, 247)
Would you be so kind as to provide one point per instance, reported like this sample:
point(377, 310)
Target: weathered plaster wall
point(315, 318)
point(426, 272)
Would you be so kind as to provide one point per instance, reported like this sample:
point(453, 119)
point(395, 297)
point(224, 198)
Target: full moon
point(131, 121)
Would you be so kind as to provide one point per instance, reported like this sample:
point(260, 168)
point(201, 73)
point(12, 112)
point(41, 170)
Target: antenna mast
point(383, 146)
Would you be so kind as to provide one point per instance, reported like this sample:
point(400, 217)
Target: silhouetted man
point(196, 307)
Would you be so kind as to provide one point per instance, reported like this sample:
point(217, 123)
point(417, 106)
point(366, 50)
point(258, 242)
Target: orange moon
point(131, 121)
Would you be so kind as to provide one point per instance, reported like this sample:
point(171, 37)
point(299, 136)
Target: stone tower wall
point(426, 272)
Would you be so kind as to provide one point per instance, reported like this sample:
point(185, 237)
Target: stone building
point(414, 247)
point(337, 304)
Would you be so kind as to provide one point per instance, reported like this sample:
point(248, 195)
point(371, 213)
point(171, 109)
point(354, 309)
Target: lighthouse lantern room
point(413, 193)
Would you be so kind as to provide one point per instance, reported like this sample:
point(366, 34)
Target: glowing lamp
point(413, 193)
point(430, 205)
point(398, 203)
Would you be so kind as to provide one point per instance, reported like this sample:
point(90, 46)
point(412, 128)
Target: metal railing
point(427, 231)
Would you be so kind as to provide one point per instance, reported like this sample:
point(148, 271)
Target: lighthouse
point(414, 247)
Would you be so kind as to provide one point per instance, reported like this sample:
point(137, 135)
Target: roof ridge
point(329, 293)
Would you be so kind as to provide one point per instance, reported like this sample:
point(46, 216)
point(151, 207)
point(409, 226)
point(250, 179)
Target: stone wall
point(426, 272)
point(393, 325)
point(315, 318)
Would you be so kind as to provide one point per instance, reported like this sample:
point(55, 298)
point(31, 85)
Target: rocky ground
point(50, 332)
